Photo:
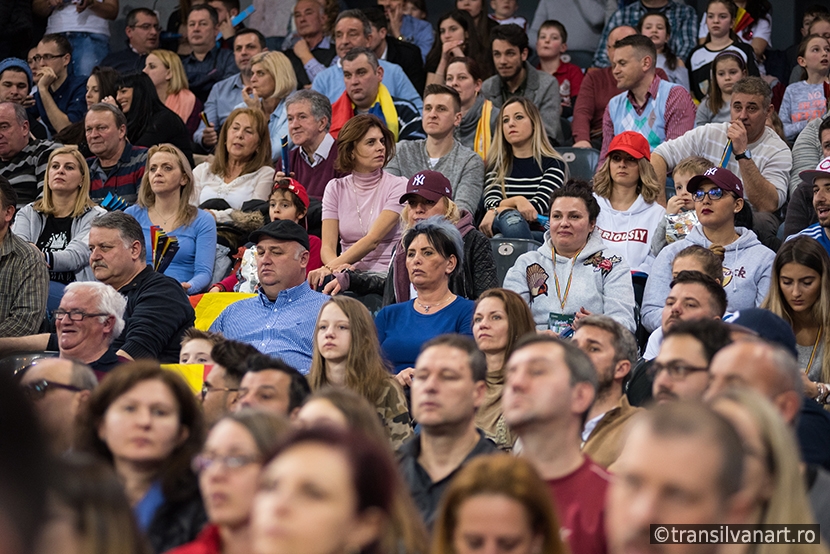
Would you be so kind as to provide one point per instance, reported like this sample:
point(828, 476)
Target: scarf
point(483, 133)
point(181, 103)
point(384, 107)
point(474, 130)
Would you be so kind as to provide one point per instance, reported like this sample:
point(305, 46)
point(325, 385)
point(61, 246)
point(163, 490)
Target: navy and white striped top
point(529, 180)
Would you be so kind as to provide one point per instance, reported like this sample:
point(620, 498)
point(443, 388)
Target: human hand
point(226, 28)
point(737, 133)
point(583, 144)
point(28, 102)
point(209, 136)
point(316, 276)
point(302, 51)
point(250, 97)
point(186, 286)
point(525, 208)
point(810, 388)
point(404, 378)
point(394, 13)
point(486, 225)
point(677, 203)
point(579, 315)
point(111, 100)
point(81, 5)
point(214, 288)
point(332, 288)
point(47, 77)
point(452, 48)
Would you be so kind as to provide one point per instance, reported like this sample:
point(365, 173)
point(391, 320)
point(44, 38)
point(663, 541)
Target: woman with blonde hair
point(626, 188)
point(241, 167)
point(523, 171)
point(167, 73)
point(58, 224)
point(164, 201)
point(347, 355)
point(272, 81)
point(495, 499)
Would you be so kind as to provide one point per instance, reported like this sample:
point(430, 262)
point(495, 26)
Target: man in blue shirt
point(820, 180)
point(207, 64)
point(280, 320)
point(407, 28)
point(60, 97)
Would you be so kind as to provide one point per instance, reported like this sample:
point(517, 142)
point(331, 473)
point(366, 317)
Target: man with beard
point(819, 179)
point(613, 351)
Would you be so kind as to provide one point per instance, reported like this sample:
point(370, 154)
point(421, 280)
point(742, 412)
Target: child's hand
point(677, 203)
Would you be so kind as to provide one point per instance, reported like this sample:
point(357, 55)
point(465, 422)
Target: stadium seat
point(507, 251)
point(582, 162)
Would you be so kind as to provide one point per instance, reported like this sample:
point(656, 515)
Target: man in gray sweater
point(440, 151)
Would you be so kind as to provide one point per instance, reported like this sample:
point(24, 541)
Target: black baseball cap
point(281, 229)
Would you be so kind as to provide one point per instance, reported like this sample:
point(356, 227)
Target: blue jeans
point(88, 50)
point(511, 225)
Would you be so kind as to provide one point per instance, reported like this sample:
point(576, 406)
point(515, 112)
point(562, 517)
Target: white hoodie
point(631, 231)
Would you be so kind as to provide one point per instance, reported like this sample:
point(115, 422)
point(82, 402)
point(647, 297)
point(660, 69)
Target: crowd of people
point(445, 285)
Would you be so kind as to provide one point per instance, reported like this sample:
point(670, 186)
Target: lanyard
point(562, 301)
point(727, 154)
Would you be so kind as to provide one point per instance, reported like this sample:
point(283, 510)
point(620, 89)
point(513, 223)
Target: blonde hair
point(262, 155)
point(692, 165)
point(500, 156)
point(451, 213)
point(280, 69)
point(178, 78)
point(647, 184)
point(147, 198)
point(83, 202)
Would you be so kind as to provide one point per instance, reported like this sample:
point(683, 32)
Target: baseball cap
point(294, 186)
point(432, 185)
point(281, 229)
point(720, 177)
point(632, 143)
point(766, 325)
point(821, 170)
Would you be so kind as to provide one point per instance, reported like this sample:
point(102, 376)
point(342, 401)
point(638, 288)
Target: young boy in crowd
point(196, 346)
point(680, 209)
point(504, 11)
point(551, 43)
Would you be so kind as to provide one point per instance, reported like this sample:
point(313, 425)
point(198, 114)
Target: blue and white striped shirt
point(283, 328)
point(815, 231)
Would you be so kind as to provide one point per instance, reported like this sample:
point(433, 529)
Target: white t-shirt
point(760, 29)
point(66, 19)
point(253, 186)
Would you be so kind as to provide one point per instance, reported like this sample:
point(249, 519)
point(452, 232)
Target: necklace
point(164, 220)
point(428, 307)
point(364, 230)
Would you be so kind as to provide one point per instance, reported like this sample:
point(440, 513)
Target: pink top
point(356, 201)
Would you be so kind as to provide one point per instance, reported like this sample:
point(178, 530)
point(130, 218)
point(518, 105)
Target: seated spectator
point(159, 483)
point(440, 151)
point(457, 38)
point(207, 63)
point(597, 90)
point(415, 8)
point(59, 96)
point(758, 156)
point(364, 146)
point(680, 215)
point(815, 21)
point(479, 118)
point(719, 196)
point(727, 68)
point(434, 251)
point(551, 44)
point(220, 391)
point(285, 307)
point(353, 30)
point(59, 390)
point(241, 169)
point(314, 155)
point(681, 369)
point(117, 166)
point(313, 45)
point(347, 355)
point(271, 385)
point(396, 50)
point(549, 387)
point(165, 70)
point(805, 100)
point(494, 499)
point(228, 493)
point(164, 203)
point(58, 223)
point(100, 84)
point(626, 189)
point(366, 93)
point(16, 84)
point(224, 96)
point(613, 351)
point(406, 28)
point(149, 121)
point(515, 76)
point(478, 11)
point(603, 283)
point(500, 318)
point(325, 459)
point(226, 10)
point(449, 371)
point(523, 170)
point(800, 211)
point(720, 17)
point(197, 346)
point(656, 26)
point(656, 108)
point(23, 158)
point(504, 13)
point(142, 30)
point(808, 151)
point(754, 29)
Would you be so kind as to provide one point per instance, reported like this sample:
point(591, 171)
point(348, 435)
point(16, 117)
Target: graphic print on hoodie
point(630, 231)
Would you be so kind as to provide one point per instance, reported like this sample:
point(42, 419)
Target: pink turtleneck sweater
point(356, 201)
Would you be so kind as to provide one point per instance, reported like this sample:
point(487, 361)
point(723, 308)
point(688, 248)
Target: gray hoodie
point(601, 283)
point(747, 266)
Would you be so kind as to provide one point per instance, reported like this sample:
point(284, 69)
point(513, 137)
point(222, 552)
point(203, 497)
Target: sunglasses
point(713, 194)
point(36, 390)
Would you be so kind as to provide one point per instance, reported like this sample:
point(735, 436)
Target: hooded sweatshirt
point(630, 231)
point(747, 265)
point(600, 283)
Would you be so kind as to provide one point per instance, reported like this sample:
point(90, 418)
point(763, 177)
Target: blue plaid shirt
point(682, 18)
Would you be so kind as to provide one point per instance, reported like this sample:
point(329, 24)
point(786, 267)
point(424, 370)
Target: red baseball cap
point(632, 143)
point(294, 186)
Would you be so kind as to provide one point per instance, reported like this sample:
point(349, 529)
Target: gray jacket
point(29, 223)
point(542, 88)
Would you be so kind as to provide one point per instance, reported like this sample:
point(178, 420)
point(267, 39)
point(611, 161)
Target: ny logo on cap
point(419, 180)
point(824, 165)
point(711, 171)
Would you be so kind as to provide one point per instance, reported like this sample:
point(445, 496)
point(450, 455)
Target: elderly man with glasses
point(143, 33)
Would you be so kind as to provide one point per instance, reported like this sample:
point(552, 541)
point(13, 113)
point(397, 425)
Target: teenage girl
point(728, 68)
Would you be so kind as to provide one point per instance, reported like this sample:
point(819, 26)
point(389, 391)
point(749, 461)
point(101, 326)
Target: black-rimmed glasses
point(74, 315)
point(38, 389)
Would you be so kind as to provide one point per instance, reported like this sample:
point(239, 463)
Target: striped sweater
point(26, 170)
point(526, 179)
point(123, 178)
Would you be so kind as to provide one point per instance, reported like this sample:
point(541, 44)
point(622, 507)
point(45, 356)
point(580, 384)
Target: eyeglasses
point(46, 57)
point(207, 388)
point(677, 370)
point(203, 462)
point(38, 389)
point(147, 27)
point(714, 194)
point(74, 315)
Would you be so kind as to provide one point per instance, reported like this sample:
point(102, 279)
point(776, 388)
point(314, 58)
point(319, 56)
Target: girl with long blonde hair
point(167, 73)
